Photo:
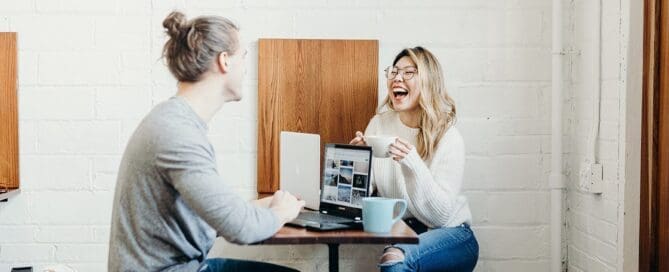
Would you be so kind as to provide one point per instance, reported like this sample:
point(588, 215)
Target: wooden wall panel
point(9, 133)
point(328, 87)
point(654, 214)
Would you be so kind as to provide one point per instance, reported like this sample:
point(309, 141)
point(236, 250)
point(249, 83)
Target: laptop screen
point(346, 175)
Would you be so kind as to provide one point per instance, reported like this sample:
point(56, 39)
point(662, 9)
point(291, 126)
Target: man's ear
point(222, 62)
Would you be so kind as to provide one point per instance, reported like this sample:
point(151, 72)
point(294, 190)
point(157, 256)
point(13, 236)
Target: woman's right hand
point(285, 206)
point(359, 139)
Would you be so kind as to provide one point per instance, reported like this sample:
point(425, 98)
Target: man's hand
point(285, 206)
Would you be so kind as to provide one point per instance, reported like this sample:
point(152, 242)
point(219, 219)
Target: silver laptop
point(299, 170)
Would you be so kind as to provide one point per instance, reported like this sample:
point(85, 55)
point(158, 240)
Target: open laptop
point(345, 181)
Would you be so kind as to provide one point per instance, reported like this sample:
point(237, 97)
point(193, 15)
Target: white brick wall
point(90, 70)
point(595, 231)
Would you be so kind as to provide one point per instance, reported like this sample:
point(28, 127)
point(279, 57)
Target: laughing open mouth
point(400, 93)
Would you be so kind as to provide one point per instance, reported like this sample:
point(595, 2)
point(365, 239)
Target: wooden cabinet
point(328, 87)
point(9, 132)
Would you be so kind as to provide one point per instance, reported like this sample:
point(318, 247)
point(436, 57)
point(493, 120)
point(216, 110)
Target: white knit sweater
point(431, 188)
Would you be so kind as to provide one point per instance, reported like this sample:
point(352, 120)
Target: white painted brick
point(477, 134)
point(597, 228)
point(212, 4)
point(97, 266)
point(225, 143)
point(57, 33)
point(136, 69)
point(506, 172)
point(513, 242)
point(513, 265)
point(610, 110)
point(483, 102)
point(106, 164)
point(458, 64)
point(238, 170)
point(327, 24)
point(478, 205)
point(222, 248)
point(79, 68)
point(28, 67)
point(246, 4)
point(594, 206)
point(4, 24)
point(604, 252)
point(64, 234)
point(105, 172)
point(515, 145)
point(101, 234)
point(608, 130)
point(522, 127)
point(611, 89)
point(310, 4)
point(493, 27)
point(100, 137)
point(583, 261)
point(123, 102)
point(10, 6)
point(607, 150)
point(56, 103)
point(17, 234)
point(27, 137)
point(55, 173)
point(104, 181)
point(82, 253)
point(450, 25)
point(166, 6)
point(72, 208)
point(512, 207)
point(134, 7)
point(519, 64)
point(16, 211)
point(129, 32)
point(26, 252)
point(611, 60)
point(161, 76)
point(77, 6)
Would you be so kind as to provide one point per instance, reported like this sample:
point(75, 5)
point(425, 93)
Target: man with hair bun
point(170, 201)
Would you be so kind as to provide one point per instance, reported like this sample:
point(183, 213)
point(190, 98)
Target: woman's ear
point(222, 62)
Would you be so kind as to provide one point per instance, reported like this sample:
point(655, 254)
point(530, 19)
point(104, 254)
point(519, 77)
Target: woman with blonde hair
point(170, 202)
point(426, 168)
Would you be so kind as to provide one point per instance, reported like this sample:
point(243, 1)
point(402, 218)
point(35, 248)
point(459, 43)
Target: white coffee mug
point(380, 144)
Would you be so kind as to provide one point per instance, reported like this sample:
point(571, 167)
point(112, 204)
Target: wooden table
point(401, 233)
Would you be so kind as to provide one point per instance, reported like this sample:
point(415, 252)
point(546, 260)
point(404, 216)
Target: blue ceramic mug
point(377, 213)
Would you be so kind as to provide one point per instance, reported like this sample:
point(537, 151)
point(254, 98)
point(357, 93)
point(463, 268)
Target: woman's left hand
point(400, 149)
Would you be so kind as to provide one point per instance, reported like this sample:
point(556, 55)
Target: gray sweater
point(170, 201)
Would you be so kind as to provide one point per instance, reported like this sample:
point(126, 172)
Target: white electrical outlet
point(591, 177)
point(597, 178)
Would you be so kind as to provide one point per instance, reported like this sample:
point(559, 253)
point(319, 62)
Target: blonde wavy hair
point(436, 107)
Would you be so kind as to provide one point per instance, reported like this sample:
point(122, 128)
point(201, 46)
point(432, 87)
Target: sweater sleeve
point(188, 164)
point(434, 192)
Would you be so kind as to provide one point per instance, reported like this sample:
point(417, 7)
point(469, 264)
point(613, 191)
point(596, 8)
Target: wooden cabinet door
point(9, 129)
point(327, 87)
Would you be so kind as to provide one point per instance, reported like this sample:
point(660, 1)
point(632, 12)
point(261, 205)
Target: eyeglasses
point(406, 74)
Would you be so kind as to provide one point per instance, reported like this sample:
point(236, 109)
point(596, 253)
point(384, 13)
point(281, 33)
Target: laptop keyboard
point(322, 218)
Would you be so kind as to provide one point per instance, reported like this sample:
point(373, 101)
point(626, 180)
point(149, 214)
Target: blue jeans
point(442, 249)
point(219, 265)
